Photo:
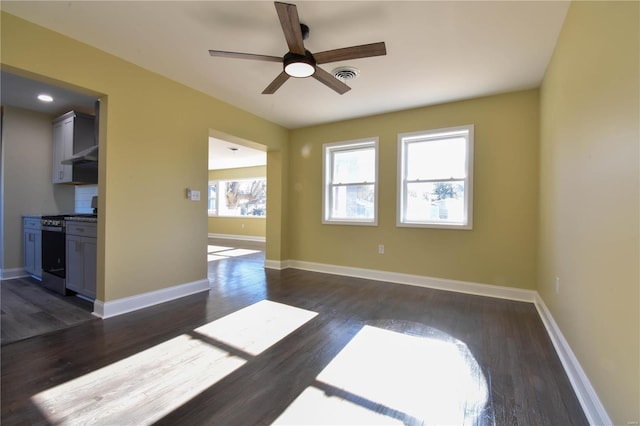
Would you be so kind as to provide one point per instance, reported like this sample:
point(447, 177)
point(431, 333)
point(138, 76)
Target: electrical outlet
point(557, 285)
point(380, 248)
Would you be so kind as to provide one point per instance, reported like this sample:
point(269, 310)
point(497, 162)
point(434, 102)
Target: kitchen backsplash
point(83, 198)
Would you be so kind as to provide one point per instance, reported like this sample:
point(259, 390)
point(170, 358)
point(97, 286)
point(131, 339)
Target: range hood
point(88, 156)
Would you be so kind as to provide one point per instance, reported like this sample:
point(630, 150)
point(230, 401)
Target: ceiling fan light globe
point(299, 66)
point(299, 69)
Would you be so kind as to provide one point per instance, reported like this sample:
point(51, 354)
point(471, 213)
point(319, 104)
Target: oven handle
point(53, 228)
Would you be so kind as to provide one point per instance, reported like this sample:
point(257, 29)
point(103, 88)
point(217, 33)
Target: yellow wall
point(277, 236)
point(501, 248)
point(154, 144)
point(243, 226)
point(589, 204)
point(239, 173)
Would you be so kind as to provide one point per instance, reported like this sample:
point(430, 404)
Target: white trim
point(488, 290)
point(9, 274)
point(133, 303)
point(276, 264)
point(238, 237)
point(591, 405)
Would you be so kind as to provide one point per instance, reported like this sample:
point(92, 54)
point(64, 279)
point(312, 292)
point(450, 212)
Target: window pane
point(353, 202)
point(243, 198)
point(435, 202)
point(436, 159)
point(354, 166)
point(213, 197)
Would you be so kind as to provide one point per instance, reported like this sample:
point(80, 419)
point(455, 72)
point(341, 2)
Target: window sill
point(458, 226)
point(350, 222)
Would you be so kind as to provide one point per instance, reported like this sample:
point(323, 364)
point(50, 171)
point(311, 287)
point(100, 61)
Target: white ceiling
point(22, 92)
point(437, 51)
point(228, 155)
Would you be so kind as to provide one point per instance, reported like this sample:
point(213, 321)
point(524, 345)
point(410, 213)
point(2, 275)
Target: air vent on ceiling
point(345, 73)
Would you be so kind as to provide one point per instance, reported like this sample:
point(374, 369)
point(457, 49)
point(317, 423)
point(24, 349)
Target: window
point(241, 198)
point(213, 198)
point(435, 180)
point(350, 173)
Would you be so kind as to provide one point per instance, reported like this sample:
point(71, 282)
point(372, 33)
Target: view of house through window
point(240, 197)
point(435, 181)
point(350, 182)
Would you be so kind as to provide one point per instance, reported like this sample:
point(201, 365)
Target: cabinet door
point(62, 149)
point(38, 254)
point(74, 266)
point(29, 251)
point(83, 133)
point(90, 260)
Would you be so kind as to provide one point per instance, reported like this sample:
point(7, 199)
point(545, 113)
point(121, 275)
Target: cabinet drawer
point(32, 223)
point(86, 229)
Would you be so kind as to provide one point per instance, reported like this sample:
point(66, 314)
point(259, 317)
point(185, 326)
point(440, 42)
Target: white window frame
point(328, 150)
point(467, 132)
point(209, 212)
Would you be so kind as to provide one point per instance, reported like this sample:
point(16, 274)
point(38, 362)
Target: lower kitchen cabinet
point(81, 258)
point(32, 246)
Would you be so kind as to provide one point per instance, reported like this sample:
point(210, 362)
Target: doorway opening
point(236, 198)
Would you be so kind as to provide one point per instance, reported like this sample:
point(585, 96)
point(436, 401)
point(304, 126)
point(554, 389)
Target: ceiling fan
point(299, 62)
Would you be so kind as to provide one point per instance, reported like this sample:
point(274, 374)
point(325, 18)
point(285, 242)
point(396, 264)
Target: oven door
point(53, 252)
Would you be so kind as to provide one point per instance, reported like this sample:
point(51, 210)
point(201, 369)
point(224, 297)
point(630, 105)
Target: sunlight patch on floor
point(431, 380)
point(148, 385)
point(212, 249)
point(140, 389)
point(257, 327)
point(214, 257)
point(314, 407)
point(237, 252)
point(215, 253)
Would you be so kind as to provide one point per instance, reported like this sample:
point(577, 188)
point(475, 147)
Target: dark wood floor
point(28, 309)
point(295, 347)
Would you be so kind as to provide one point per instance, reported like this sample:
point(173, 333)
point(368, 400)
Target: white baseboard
point(128, 304)
point(9, 274)
point(239, 237)
point(591, 405)
point(488, 290)
point(276, 264)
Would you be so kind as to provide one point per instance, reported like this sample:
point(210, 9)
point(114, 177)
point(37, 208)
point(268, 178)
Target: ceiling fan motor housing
point(304, 29)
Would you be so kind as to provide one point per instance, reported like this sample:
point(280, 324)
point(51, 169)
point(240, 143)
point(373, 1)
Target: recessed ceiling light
point(45, 98)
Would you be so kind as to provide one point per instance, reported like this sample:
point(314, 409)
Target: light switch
point(195, 195)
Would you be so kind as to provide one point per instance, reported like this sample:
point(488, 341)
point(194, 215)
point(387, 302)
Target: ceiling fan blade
point(325, 78)
point(239, 55)
point(276, 83)
point(288, 14)
point(353, 52)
